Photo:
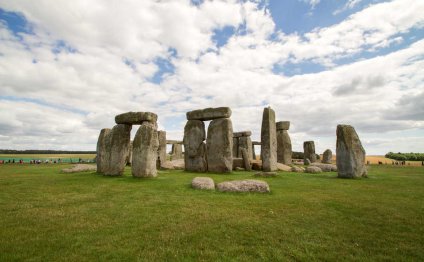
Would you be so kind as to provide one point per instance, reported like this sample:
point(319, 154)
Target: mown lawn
point(46, 215)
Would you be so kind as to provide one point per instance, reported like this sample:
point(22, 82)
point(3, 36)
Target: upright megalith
point(268, 140)
point(194, 146)
point(177, 151)
point(284, 145)
point(117, 143)
point(350, 155)
point(103, 150)
point(162, 147)
point(327, 156)
point(309, 151)
point(129, 157)
point(219, 146)
point(145, 151)
point(242, 140)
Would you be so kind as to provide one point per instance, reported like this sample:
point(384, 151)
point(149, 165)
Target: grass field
point(50, 216)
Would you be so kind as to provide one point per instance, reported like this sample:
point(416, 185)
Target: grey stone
point(246, 159)
point(297, 169)
point(283, 125)
point(194, 146)
point(173, 142)
point(145, 151)
point(248, 185)
point(284, 147)
point(238, 162)
point(209, 114)
point(266, 174)
point(246, 143)
point(117, 145)
point(236, 147)
point(136, 118)
point(327, 156)
point(162, 147)
point(129, 157)
point(204, 183)
point(307, 162)
point(350, 155)
point(256, 143)
point(177, 151)
point(313, 169)
point(268, 141)
point(242, 133)
point(103, 154)
point(309, 151)
point(79, 168)
point(220, 146)
point(239, 169)
point(283, 167)
point(325, 167)
point(253, 152)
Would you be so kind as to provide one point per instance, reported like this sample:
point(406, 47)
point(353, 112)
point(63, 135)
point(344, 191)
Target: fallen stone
point(283, 167)
point(350, 155)
point(327, 156)
point(297, 169)
point(268, 141)
point(313, 170)
point(145, 151)
point(309, 151)
point(194, 146)
point(209, 114)
point(266, 174)
point(79, 168)
point(307, 162)
point(283, 125)
point(136, 118)
point(204, 183)
point(238, 163)
point(325, 167)
point(219, 146)
point(248, 185)
point(172, 142)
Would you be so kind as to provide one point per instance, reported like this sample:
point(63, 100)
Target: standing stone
point(284, 145)
point(309, 151)
point(235, 147)
point(246, 159)
point(117, 145)
point(145, 151)
point(350, 155)
point(177, 151)
point(102, 158)
point(327, 156)
point(220, 146)
point(253, 152)
point(162, 147)
point(268, 141)
point(194, 146)
point(246, 143)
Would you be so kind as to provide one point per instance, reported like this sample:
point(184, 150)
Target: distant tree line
point(10, 151)
point(405, 156)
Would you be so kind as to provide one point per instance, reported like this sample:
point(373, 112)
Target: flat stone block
point(209, 113)
point(136, 118)
point(242, 133)
point(283, 125)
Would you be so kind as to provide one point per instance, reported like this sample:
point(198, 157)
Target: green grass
point(46, 215)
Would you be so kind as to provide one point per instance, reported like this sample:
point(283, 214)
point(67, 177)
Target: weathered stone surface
point(238, 162)
point(309, 151)
point(307, 162)
point(256, 143)
point(325, 167)
point(162, 147)
point(283, 125)
point(116, 144)
point(177, 151)
point(205, 183)
point(268, 141)
point(209, 113)
point(256, 165)
point(327, 156)
point(145, 151)
point(313, 169)
point(172, 142)
point(284, 147)
point(79, 168)
point(297, 169)
point(220, 146)
point(350, 155)
point(236, 147)
point(248, 185)
point(283, 167)
point(129, 157)
point(266, 174)
point(242, 133)
point(194, 146)
point(253, 152)
point(246, 143)
point(103, 153)
point(136, 118)
point(246, 159)
point(178, 164)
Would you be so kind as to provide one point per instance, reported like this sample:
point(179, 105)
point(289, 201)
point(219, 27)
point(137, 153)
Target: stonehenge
point(350, 155)
point(327, 156)
point(162, 148)
point(114, 145)
point(309, 151)
point(284, 146)
point(242, 140)
point(269, 140)
point(216, 153)
point(255, 143)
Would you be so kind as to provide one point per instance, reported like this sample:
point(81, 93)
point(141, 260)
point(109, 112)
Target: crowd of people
point(39, 161)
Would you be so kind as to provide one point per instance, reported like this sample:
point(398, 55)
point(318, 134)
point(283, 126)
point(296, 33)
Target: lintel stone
point(209, 113)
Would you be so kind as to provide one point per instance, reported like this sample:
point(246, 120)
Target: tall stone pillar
point(220, 146)
point(309, 151)
point(194, 146)
point(350, 155)
point(145, 151)
point(177, 151)
point(103, 150)
point(284, 145)
point(327, 157)
point(269, 140)
point(162, 147)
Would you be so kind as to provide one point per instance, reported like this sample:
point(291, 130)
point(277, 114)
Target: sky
point(68, 67)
